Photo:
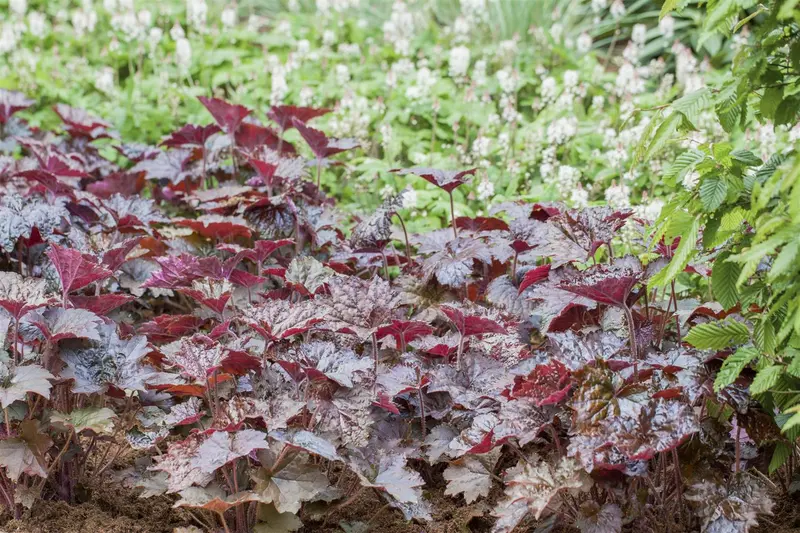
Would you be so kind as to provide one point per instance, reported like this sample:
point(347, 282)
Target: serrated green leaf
point(724, 276)
point(683, 253)
point(770, 101)
point(786, 113)
point(746, 157)
point(644, 141)
point(785, 262)
point(663, 135)
point(793, 367)
point(779, 456)
point(717, 335)
point(668, 7)
point(733, 366)
point(766, 379)
point(713, 191)
point(764, 335)
point(682, 165)
point(692, 104)
point(792, 422)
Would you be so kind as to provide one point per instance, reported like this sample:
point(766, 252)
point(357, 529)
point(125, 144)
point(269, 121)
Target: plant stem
point(224, 523)
point(460, 350)
point(405, 234)
point(631, 332)
point(422, 413)
point(453, 214)
point(319, 172)
point(738, 447)
point(375, 354)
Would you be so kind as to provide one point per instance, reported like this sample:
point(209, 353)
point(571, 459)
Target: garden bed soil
point(110, 508)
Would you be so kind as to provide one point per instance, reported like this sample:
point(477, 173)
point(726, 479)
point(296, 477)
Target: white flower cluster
point(459, 62)
point(399, 29)
point(424, 81)
point(197, 14)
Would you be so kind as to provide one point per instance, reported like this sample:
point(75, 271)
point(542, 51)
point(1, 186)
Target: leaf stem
point(453, 214)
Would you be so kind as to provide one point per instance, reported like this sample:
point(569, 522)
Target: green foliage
point(733, 366)
point(717, 335)
point(750, 208)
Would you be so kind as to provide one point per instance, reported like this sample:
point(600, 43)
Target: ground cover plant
point(203, 318)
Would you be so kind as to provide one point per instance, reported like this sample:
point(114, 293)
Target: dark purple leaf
point(447, 180)
point(228, 116)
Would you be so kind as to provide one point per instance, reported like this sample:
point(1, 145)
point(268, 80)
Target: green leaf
point(792, 422)
point(779, 456)
point(642, 145)
point(733, 366)
point(770, 101)
point(670, 6)
point(785, 262)
point(787, 110)
point(97, 419)
point(766, 379)
point(746, 157)
point(713, 191)
point(723, 281)
point(692, 104)
point(683, 253)
point(682, 165)
point(764, 335)
point(663, 135)
point(717, 335)
point(794, 366)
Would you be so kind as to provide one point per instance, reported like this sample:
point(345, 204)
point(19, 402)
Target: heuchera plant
point(269, 355)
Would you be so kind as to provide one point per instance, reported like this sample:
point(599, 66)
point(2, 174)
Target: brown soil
point(113, 509)
point(110, 509)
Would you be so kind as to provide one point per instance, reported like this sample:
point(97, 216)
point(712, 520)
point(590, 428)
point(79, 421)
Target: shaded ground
point(111, 508)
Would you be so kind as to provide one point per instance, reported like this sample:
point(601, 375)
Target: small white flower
point(183, 54)
point(177, 32)
point(306, 96)
point(105, 80)
point(667, 27)
point(485, 190)
point(145, 18)
point(279, 87)
point(196, 14)
point(481, 146)
point(37, 24)
point(639, 34)
point(507, 79)
point(155, 36)
point(8, 38)
point(617, 9)
point(584, 43)
point(18, 7)
point(479, 73)
point(410, 199)
point(342, 74)
point(571, 79)
point(83, 21)
point(228, 17)
point(618, 195)
point(691, 179)
point(579, 197)
point(459, 61)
